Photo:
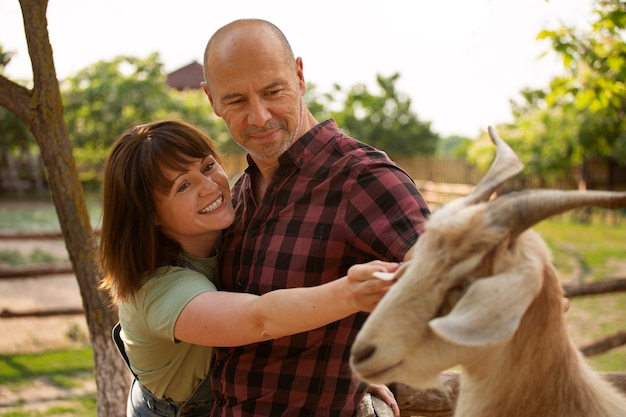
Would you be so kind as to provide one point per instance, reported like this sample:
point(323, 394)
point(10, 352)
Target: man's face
point(259, 96)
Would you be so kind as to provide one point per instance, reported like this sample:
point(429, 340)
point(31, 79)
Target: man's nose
point(258, 113)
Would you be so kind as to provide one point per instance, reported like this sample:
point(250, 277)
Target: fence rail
point(440, 402)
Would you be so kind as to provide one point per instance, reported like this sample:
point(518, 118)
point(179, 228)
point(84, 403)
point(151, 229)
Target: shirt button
point(220, 402)
point(241, 283)
point(219, 364)
point(252, 233)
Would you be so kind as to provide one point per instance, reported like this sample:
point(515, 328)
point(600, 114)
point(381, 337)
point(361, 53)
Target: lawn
point(587, 252)
point(63, 380)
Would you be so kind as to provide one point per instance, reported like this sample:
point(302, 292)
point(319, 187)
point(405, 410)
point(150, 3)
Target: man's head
point(256, 85)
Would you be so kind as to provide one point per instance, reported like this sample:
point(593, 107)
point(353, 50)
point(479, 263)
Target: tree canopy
point(384, 120)
point(581, 112)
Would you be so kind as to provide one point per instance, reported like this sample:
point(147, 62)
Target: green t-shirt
point(169, 369)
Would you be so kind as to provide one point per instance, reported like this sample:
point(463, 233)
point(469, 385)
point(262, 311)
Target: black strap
point(117, 338)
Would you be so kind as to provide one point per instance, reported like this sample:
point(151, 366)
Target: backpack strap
point(117, 338)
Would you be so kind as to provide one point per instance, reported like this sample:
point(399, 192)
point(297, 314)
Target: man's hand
point(364, 288)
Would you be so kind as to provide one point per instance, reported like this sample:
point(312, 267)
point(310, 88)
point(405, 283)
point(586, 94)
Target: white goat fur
point(482, 292)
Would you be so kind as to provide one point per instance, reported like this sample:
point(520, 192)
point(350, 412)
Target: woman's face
point(196, 207)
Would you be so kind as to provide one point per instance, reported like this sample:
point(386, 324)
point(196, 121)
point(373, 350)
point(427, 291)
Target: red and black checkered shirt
point(332, 203)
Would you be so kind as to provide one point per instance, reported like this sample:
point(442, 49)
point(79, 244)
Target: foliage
point(580, 113)
point(13, 132)
point(106, 98)
point(543, 138)
point(5, 58)
point(320, 104)
point(193, 106)
point(453, 147)
point(595, 78)
point(385, 121)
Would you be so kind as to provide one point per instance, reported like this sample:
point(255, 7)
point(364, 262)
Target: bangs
point(176, 161)
point(172, 149)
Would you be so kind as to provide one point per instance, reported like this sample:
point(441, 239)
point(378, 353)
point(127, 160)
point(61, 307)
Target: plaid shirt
point(333, 202)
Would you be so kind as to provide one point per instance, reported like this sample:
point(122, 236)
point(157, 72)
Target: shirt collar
point(309, 144)
point(305, 148)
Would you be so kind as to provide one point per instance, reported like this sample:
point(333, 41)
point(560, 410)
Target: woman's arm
point(221, 318)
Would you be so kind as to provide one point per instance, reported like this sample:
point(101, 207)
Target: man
point(311, 203)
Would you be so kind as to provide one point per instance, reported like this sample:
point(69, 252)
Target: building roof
point(188, 77)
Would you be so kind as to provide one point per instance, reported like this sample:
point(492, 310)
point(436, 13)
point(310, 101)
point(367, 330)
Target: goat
point(479, 290)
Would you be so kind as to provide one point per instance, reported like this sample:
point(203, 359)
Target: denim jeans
point(142, 403)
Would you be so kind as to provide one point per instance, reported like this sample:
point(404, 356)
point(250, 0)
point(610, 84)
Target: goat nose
point(362, 354)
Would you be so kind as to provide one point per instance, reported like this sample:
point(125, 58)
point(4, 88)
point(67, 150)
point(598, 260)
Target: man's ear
point(205, 88)
point(300, 75)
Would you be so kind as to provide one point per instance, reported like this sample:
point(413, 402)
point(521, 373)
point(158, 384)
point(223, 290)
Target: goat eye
point(453, 295)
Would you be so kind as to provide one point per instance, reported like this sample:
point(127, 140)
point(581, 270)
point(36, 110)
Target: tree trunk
point(41, 110)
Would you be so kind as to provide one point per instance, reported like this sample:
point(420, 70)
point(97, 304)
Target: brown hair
point(131, 246)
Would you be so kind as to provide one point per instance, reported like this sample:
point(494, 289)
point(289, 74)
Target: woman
point(166, 199)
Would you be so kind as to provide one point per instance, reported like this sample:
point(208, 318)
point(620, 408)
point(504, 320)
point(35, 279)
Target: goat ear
point(490, 311)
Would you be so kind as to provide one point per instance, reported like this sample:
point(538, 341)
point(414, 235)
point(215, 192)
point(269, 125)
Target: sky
point(460, 61)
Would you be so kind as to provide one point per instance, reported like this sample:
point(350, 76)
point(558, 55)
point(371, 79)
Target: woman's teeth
point(213, 206)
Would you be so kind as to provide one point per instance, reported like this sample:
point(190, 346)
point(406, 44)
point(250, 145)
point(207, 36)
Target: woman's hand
point(363, 289)
point(384, 393)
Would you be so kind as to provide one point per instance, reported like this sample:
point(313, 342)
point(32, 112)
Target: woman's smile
point(213, 206)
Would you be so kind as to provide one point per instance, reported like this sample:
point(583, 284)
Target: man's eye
point(182, 187)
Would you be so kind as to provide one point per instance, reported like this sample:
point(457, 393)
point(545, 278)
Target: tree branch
point(15, 97)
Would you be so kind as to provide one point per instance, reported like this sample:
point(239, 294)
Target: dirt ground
point(24, 294)
point(31, 335)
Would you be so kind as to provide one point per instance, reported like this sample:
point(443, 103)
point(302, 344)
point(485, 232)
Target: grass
point(598, 247)
point(64, 369)
point(38, 214)
point(57, 366)
point(587, 252)
point(37, 256)
point(82, 406)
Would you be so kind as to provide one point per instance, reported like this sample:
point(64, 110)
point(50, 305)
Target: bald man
point(312, 202)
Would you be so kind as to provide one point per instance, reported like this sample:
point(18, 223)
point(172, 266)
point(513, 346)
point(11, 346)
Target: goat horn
point(521, 210)
point(505, 165)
